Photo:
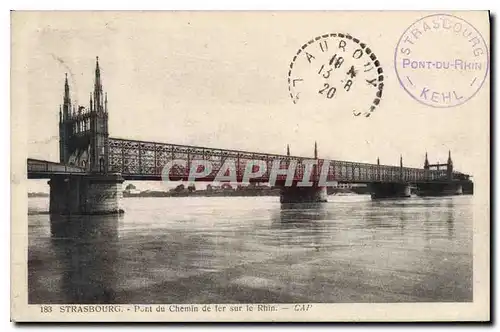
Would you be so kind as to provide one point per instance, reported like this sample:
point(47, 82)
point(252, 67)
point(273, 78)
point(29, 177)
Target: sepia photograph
point(250, 165)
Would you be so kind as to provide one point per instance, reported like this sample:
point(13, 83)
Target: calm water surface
point(250, 249)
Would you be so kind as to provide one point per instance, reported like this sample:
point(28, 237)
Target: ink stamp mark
point(338, 70)
point(441, 60)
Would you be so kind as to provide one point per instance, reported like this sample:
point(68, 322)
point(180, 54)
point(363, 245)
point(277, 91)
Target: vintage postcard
point(250, 166)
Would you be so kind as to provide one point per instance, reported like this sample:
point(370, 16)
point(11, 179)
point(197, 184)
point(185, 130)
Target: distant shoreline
point(273, 192)
point(233, 193)
point(205, 193)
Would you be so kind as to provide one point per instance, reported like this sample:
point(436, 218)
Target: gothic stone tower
point(83, 141)
point(83, 133)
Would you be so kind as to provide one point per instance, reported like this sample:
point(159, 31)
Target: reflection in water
point(440, 220)
point(387, 214)
point(296, 214)
point(86, 247)
point(450, 218)
point(296, 219)
point(253, 249)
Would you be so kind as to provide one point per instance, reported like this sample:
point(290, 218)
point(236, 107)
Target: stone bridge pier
point(440, 189)
point(86, 194)
point(295, 194)
point(390, 190)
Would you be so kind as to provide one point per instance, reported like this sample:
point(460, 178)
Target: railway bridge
point(92, 166)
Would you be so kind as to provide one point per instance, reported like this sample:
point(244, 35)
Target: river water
point(252, 250)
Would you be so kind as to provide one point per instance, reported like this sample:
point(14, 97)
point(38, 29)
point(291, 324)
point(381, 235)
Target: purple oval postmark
point(441, 60)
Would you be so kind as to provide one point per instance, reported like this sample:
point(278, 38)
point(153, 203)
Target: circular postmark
point(441, 60)
point(339, 70)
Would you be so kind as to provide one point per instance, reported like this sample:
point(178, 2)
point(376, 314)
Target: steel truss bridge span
point(143, 160)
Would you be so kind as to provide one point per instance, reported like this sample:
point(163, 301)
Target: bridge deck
point(43, 169)
point(143, 160)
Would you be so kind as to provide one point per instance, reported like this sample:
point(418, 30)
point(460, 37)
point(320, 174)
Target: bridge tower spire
point(98, 94)
point(401, 172)
point(67, 99)
point(288, 150)
point(449, 166)
point(315, 150)
point(378, 168)
point(426, 162)
point(65, 127)
point(98, 154)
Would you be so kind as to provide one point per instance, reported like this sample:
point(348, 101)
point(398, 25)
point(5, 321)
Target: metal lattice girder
point(141, 158)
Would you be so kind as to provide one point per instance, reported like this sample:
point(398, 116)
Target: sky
point(220, 80)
